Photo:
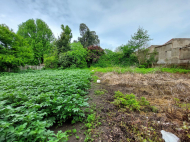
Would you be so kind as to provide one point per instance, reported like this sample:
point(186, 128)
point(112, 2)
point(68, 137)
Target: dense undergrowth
point(32, 102)
point(138, 70)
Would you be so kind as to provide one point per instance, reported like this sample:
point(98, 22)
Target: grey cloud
point(113, 21)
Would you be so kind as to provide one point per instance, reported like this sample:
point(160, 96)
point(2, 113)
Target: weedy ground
point(136, 107)
point(130, 104)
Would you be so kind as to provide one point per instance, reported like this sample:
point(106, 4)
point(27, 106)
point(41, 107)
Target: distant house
point(175, 51)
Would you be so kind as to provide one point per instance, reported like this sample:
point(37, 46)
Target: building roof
point(170, 41)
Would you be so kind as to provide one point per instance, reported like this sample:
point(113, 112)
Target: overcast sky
point(114, 21)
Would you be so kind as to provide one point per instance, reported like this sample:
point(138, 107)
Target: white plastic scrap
point(169, 137)
point(98, 81)
point(92, 70)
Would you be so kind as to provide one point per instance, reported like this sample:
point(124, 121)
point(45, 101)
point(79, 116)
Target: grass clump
point(95, 78)
point(100, 92)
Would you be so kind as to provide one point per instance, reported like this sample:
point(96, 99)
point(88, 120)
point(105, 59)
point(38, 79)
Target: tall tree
point(63, 42)
point(39, 35)
point(14, 50)
point(88, 37)
point(139, 39)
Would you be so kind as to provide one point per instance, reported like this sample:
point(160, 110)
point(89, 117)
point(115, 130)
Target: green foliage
point(51, 58)
point(128, 101)
point(175, 70)
point(100, 92)
point(91, 118)
point(50, 61)
point(76, 57)
point(88, 37)
point(33, 101)
point(146, 58)
point(144, 102)
point(14, 50)
point(139, 39)
point(77, 137)
point(95, 78)
point(111, 58)
point(39, 36)
point(63, 41)
point(94, 53)
point(74, 131)
point(154, 109)
point(125, 70)
point(60, 136)
point(137, 70)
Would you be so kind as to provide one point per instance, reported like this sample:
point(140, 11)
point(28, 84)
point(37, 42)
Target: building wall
point(184, 55)
point(178, 43)
point(173, 53)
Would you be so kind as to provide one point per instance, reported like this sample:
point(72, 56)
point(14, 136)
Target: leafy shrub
point(75, 58)
point(31, 103)
point(51, 62)
point(94, 53)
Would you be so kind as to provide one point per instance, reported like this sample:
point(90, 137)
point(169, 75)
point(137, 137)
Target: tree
point(139, 39)
point(39, 36)
point(14, 50)
point(63, 42)
point(88, 37)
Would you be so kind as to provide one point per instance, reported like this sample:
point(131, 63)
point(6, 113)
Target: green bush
point(111, 58)
point(94, 54)
point(75, 58)
point(51, 62)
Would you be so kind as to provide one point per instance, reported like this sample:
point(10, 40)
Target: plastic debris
point(169, 137)
point(92, 70)
point(98, 81)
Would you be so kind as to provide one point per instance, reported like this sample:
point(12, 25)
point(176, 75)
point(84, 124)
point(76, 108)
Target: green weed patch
point(130, 102)
point(32, 102)
point(138, 70)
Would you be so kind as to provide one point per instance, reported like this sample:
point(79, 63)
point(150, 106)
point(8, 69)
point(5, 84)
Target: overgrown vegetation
point(129, 102)
point(137, 70)
point(34, 101)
